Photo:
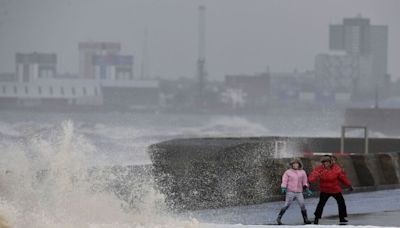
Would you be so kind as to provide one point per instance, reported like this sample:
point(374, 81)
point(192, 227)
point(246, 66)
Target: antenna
point(202, 28)
point(201, 61)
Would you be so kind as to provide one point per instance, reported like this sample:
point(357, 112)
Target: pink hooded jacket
point(294, 180)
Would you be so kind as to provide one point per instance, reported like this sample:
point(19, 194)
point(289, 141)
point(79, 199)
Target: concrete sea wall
point(220, 172)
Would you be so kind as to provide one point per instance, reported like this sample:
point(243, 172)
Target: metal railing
point(343, 136)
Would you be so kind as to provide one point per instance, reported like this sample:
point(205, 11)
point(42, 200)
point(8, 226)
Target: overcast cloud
point(243, 36)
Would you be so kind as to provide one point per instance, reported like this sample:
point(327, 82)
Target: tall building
point(87, 52)
point(361, 67)
point(32, 66)
point(379, 51)
point(353, 36)
point(356, 36)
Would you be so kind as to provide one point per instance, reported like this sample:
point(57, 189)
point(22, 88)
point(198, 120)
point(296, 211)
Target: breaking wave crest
point(46, 181)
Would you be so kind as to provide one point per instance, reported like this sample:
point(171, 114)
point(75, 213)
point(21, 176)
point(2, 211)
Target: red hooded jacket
point(329, 179)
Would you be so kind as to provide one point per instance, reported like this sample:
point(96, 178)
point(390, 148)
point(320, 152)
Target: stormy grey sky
point(243, 36)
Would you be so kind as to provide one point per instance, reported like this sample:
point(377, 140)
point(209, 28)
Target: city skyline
point(241, 36)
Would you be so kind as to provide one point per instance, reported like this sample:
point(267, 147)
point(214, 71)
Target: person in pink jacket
point(294, 182)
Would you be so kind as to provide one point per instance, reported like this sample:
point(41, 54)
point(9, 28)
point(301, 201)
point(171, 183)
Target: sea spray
point(46, 182)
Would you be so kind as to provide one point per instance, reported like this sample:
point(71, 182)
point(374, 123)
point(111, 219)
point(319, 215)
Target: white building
point(52, 91)
point(80, 92)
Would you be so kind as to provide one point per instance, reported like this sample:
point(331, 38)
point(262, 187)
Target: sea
point(47, 161)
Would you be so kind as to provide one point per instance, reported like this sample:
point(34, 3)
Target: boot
point(343, 220)
point(278, 220)
point(305, 218)
point(316, 220)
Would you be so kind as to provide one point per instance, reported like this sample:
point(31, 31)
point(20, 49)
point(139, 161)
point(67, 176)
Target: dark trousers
point(323, 197)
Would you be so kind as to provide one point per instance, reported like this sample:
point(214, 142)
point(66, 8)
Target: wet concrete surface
point(385, 218)
point(379, 208)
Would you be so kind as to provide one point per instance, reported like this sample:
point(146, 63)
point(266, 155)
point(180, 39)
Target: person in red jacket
point(330, 175)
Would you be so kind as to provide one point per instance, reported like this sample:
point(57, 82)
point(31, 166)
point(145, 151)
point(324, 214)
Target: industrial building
point(33, 66)
point(87, 53)
point(105, 81)
point(113, 67)
point(254, 90)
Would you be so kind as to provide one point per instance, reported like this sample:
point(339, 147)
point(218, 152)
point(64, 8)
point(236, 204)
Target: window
point(62, 91)
point(84, 91)
point(51, 90)
point(73, 90)
point(95, 91)
point(4, 89)
point(40, 90)
point(15, 89)
point(26, 89)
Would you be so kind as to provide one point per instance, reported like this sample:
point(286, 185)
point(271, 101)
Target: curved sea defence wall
point(220, 172)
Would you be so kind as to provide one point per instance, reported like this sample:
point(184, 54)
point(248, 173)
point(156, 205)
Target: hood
point(326, 158)
point(296, 160)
